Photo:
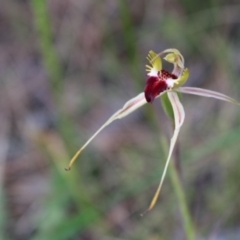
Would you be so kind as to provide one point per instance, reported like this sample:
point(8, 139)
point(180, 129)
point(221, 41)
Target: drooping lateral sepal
point(179, 116)
point(130, 106)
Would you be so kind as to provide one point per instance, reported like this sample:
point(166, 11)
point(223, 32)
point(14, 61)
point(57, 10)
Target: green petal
point(182, 80)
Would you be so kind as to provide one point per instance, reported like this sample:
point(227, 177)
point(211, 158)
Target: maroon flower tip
point(154, 87)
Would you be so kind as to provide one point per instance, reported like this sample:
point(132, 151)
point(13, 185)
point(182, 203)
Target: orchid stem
point(177, 160)
point(179, 191)
point(178, 188)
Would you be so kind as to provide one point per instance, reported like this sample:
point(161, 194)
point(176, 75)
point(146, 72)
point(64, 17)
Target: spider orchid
point(161, 81)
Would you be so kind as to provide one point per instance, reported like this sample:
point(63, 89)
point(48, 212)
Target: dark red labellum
point(157, 84)
point(154, 87)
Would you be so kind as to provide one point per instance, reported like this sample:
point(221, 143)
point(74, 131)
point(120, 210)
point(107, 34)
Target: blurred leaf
point(167, 106)
point(50, 58)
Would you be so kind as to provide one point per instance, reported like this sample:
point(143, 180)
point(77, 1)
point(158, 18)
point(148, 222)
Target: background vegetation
point(65, 67)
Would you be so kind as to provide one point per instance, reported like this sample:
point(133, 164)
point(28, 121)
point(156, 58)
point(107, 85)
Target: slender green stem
point(179, 191)
point(178, 188)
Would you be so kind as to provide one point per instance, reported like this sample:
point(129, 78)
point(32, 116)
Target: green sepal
point(154, 60)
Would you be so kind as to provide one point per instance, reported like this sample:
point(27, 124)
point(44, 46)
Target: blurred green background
point(65, 67)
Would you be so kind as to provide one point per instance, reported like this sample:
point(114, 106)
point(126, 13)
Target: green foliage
point(50, 58)
point(94, 55)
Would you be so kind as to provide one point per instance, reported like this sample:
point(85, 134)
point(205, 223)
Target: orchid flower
point(161, 81)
